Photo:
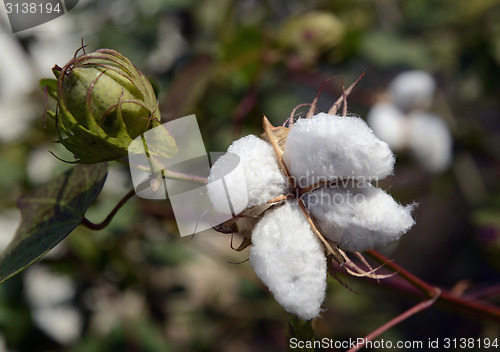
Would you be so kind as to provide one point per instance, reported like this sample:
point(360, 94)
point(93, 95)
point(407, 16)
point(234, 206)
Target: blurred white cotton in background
point(17, 79)
point(405, 124)
point(41, 166)
point(16, 76)
point(389, 124)
point(3, 347)
point(412, 90)
point(171, 45)
point(430, 141)
point(20, 71)
point(9, 222)
point(55, 42)
point(50, 296)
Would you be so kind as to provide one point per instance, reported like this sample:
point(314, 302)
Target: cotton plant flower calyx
point(103, 103)
point(289, 259)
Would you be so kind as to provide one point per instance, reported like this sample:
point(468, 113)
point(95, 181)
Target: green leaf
point(49, 214)
point(388, 49)
point(51, 85)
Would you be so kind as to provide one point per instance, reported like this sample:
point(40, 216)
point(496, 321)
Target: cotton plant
point(310, 191)
point(406, 124)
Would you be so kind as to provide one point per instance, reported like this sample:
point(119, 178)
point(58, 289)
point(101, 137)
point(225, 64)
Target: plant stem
point(427, 289)
point(165, 174)
point(300, 329)
point(457, 303)
point(176, 175)
point(87, 223)
point(405, 315)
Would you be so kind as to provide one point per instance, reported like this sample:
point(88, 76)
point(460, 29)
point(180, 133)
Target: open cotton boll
point(359, 217)
point(258, 181)
point(288, 257)
point(389, 124)
point(412, 90)
point(430, 141)
point(327, 147)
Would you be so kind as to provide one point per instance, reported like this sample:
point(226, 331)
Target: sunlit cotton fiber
point(327, 147)
point(289, 258)
point(359, 216)
point(259, 181)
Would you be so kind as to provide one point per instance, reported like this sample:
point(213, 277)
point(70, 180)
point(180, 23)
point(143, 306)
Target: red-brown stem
point(333, 110)
point(344, 97)
point(89, 224)
point(481, 309)
point(405, 315)
point(312, 109)
point(427, 289)
point(242, 110)
point(485, 292)
point(292, 114)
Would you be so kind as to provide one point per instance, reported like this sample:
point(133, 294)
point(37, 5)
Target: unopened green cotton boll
point(103, 103)
point(262, 179)
point(327, 147)
point(359, 216)
point(289, 259)
point(310, 34)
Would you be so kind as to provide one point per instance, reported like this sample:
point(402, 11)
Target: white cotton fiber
point(257, 181)
point(289, 258)
point(413, 90)
point(430, 141)
point(327, 147)
point(389, 124)
point(359, 217)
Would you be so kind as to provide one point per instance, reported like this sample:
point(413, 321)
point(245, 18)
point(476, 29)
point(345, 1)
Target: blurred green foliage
point(49, 214)
point(139, 287)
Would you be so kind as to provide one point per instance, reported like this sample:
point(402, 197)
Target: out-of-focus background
point(138, 286)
